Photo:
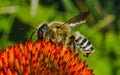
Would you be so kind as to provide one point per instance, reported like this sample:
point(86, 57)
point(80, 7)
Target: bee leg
point(86, 54)
point(64, 42)
point(75, 48)
point(72, 44)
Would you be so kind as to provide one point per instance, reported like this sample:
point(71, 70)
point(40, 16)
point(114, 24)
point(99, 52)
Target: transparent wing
point(79, 19)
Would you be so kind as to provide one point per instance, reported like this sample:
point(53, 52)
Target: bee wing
point(79, 19)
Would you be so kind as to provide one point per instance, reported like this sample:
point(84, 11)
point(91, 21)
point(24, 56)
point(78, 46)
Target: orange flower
point(41, 58)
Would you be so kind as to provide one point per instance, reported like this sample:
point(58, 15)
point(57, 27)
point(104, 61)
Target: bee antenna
point(32, 35)
point(35, 29)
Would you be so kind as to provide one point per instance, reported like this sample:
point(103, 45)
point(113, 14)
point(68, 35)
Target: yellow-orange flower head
point(41, 58)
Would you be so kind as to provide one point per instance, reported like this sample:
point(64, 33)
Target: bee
point(59, 32)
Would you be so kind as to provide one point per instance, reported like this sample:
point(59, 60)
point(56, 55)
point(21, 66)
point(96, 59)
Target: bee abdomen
point(88, 46)
point(83, 43)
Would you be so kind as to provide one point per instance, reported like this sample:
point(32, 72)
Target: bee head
point(41, 31)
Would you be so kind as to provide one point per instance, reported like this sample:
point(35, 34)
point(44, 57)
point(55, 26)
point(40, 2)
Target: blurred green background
point(19, 17)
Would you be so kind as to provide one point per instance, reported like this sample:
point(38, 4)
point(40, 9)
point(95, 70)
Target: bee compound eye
point(41, 31)
point(44, 27)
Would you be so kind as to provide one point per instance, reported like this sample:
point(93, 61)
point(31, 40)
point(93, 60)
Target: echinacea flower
point(41, 58)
